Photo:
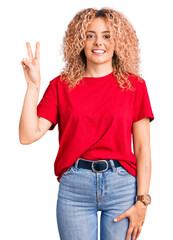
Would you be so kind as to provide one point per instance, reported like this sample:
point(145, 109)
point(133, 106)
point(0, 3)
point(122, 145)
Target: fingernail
point(24, 59)
point(115, 219)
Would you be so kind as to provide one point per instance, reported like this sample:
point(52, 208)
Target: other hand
point(136, 215)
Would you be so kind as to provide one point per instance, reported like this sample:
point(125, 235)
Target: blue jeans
point(83, 192)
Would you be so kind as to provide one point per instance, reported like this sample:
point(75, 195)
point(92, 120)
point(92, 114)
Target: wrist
point(140, 204)
point(33, 86)
point(145, 199)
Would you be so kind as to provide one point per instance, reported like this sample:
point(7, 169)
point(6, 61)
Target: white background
point(29, 187)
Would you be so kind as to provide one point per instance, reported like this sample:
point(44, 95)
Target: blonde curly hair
point(125, 60)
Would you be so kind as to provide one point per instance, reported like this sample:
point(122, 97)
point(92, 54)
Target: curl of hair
point(125, 60)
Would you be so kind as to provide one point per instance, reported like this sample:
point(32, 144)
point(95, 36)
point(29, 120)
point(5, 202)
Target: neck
point(98, 70)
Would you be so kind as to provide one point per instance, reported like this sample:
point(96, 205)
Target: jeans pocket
point(70, 170)
point(122, 171)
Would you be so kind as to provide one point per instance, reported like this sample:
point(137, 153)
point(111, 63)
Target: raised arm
point(31, 127)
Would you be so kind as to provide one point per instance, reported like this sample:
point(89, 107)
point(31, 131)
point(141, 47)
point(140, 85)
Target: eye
point(107, 36)
point(89, 36)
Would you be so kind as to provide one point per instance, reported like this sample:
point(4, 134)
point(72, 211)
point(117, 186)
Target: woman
point(99, 101)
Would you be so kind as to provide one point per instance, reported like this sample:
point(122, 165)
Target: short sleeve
point(142, 107)
point(48, 105)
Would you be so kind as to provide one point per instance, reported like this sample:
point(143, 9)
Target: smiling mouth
point(98, 52)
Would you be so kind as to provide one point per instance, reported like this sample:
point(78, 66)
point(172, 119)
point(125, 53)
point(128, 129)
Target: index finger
point(37, 50)
point(29, 50)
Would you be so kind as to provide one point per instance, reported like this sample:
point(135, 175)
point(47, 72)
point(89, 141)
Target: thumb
point(120, 217)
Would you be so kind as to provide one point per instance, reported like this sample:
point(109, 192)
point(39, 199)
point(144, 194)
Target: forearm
point(143, 159)
point(28, 119)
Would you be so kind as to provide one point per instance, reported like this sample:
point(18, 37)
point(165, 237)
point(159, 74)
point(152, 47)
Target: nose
point(98, 41)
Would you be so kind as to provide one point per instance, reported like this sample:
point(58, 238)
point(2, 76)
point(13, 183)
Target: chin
point(101, 61)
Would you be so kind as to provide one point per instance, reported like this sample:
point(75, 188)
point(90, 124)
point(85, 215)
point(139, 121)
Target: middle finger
point(134, 233)
point(37, 51)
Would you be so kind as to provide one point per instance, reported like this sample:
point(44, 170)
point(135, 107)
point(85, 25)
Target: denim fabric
point(83, 192)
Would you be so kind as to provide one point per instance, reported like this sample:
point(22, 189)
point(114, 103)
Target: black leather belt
point(97, 166)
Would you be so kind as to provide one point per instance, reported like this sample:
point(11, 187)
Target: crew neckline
point(108, 75)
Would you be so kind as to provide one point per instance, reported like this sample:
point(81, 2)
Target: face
point(99, 47)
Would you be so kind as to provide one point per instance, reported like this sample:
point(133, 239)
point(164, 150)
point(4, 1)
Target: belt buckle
point(92, 166)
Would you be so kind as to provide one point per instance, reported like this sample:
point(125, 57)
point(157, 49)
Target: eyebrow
point(102, 32)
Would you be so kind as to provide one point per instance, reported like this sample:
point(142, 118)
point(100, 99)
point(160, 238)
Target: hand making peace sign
point(31, 66)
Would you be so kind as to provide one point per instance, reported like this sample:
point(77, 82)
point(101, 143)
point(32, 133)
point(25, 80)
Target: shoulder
point(136, 81)
point(58, 81)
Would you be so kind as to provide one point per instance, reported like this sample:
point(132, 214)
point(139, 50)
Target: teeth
point(98, 51)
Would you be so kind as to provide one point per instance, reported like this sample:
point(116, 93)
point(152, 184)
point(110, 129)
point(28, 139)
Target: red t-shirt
point(95, 119)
